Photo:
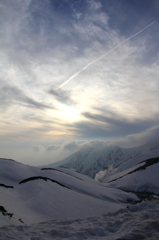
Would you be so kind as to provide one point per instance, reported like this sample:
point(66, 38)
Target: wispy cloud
point(11, 95)
point(105, 54)
point(105, 126)
point(62, 96)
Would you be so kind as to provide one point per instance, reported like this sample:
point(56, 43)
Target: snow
point(91, 160)
point(72, 195)
point(133, 176)
point(139, 221)
point(59, 203)
point(146, 154)
point(139, 180)
point(130, 164)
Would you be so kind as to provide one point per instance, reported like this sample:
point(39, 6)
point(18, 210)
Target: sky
point(75, 72)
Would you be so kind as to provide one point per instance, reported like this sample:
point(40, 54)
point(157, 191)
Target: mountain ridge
point(89, 161)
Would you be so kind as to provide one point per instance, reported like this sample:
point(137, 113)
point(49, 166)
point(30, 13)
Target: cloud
point(37, 148)
point(30, 132)
point(149, 137)
point(95, 5)
point(11, 95)
point(122, 125)
point(106, 123)
point(76, 145)
point(61, 95)
point(39, 119)
point(73, 145)
point(52, 148)
point(101, 174)
point(104, 55)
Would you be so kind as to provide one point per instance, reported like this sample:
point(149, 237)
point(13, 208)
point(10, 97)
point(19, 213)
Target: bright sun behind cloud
point(70, 113)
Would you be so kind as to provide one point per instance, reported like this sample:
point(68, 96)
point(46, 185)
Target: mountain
point(92, 159)
point(32, 194)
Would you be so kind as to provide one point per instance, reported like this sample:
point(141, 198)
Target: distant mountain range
point(90, 160)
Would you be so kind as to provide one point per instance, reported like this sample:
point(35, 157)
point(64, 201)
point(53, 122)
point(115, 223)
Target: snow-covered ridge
point(138, 175)
point(31, 194)
point(90, 160)
point(139, 167)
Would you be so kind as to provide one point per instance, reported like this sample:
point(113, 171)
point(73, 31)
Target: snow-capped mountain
point(31, 194)
point(90, 160)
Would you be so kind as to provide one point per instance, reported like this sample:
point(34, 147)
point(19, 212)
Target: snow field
point(40, 200)
point(137, 222)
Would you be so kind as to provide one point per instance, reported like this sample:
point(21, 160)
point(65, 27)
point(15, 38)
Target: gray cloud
point(123, 125)
point(61, 96)
point(71, 146)
point(88, 130)
point(37, 148)
point(52, 148)
point(10, 95)
point(109, 128)
point(39, 119)
point(150, 137)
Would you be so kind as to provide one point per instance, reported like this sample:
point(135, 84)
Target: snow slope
point(31, 194)
point(139, 174)
point(58, 203)
point(134, 223)
point(142, 179)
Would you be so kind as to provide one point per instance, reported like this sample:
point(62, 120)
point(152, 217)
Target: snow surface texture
point(31, 194)
point(137, 222)
point(58, 203)
point(90, 160)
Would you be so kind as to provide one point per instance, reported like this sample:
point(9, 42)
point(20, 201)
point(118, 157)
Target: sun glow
point(70, 113)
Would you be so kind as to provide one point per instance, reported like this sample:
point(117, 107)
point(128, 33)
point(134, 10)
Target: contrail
point(96, 60)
